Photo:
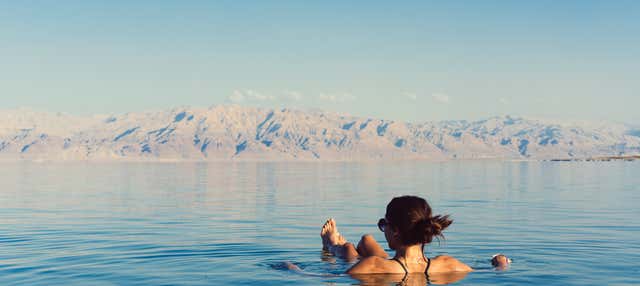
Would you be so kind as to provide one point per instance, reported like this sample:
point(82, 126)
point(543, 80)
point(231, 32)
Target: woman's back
point(439, 264)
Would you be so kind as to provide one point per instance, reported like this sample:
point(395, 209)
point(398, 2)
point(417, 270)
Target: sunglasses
point(381, 224)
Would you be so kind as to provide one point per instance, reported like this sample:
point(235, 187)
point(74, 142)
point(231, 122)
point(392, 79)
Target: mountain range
point(232, 132)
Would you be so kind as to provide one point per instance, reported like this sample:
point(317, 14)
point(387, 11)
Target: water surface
point(211, 224)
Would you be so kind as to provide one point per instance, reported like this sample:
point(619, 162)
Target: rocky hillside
point(245, 133)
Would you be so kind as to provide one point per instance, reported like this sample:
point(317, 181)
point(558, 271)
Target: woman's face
point(390, 235)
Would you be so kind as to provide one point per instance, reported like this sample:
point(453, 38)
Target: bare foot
point(292, 266)
point(330, 235)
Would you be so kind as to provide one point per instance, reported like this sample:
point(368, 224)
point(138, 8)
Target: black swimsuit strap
point(428, 264)
point(401, 264)
point(406, 272)
point(428, 261)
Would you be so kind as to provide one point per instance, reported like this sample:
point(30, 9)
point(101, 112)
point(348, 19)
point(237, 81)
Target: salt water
point(562, 223)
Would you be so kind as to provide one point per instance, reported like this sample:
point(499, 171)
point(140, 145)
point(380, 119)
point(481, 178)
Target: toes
point(332, 223)
point(325, 227)
point(329, 227)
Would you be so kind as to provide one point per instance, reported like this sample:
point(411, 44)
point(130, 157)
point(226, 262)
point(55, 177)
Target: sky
point(412, 61)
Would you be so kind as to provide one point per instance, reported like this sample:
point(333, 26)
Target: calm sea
point(563, 223)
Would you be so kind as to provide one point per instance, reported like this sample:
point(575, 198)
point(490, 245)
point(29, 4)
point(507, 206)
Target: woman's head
point(410, 221)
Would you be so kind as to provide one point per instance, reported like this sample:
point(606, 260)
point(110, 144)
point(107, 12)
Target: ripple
point(181, 225)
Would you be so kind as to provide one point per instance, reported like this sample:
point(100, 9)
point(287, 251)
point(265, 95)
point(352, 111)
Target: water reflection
point(202, 223)
point(413, 279)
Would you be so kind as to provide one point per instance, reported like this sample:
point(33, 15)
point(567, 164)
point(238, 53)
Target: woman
point(408, 225)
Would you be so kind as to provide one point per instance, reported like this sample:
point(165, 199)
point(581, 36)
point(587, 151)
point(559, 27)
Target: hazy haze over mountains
point(231, 132)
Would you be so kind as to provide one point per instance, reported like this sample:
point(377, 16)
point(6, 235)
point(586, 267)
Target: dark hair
point(412, 217)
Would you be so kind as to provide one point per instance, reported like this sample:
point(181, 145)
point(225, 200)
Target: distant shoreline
point(306, 160)
point(599, 159)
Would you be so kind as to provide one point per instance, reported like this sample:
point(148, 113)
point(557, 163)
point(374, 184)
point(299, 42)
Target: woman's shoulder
point(375, 264)
point(446, 263)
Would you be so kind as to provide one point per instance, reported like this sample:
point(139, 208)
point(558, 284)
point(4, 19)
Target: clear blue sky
point(411, 61)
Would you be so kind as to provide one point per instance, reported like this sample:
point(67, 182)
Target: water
point(212, 224)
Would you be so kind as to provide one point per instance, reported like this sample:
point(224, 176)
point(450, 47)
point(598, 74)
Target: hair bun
point(434, 226)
